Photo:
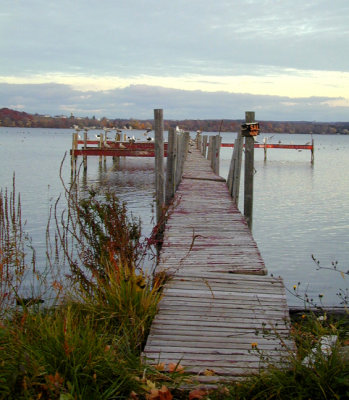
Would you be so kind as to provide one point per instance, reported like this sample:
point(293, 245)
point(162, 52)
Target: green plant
point(93, 226)
point(105, 263)
point(87, 344)
point(63, 352)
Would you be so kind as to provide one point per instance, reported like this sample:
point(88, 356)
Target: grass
point(87, 344)
point(63, 352)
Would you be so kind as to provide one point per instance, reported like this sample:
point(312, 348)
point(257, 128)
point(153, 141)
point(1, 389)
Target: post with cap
point(249, 130)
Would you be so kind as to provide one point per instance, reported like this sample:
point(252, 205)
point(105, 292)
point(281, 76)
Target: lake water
point(299, 209)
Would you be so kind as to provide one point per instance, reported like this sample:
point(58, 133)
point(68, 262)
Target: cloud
point(195, 58)
point(138, 101)
point(260, 80)
point(199, 36)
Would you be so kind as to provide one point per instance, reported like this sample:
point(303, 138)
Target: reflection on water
point(299, 209)
point(132, 179)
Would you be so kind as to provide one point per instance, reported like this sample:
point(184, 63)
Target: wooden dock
point(219, 310)
point(111, 148)
point(126, 148)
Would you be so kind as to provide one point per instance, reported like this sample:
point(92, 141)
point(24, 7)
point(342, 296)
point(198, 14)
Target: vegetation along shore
point(12, 118)
point(81, 333)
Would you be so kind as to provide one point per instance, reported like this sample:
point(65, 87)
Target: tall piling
point(170, 186)
point(249, 172)
point(159, 162)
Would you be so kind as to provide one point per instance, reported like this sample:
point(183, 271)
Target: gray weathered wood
point(73, 148)
point(204, 145)
point(159, 162)
point(217, 155)
point(236, 175)
point(209, 150)
point(213, 140)
point(116, 160)
point(85, 147)
point(182, 153)
point(249, 173)
point(186, 148)
point(178, 152)
point(198, 141)
point(100, 145)
point(218, 301)
point(170, 166)
point(265, 142)
point(179, 159)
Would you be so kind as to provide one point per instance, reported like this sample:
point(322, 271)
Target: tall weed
point(60, 352)
point(14, 245)
point(87, 344)
point(105, 263)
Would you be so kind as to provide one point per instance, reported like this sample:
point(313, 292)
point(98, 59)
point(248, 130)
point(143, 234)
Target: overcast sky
point(284, 59)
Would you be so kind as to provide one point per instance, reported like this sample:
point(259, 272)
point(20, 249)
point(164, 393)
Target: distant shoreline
point(13, 118)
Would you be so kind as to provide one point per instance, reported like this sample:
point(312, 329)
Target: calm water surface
point(299, 209)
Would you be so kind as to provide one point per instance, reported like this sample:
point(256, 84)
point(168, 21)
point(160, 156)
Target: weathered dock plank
point(219, 310)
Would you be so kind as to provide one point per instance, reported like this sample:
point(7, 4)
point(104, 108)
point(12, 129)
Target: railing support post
point(209, 150)
point(265, 142)
point(235, 169)
point(85, 147)
point(204, 145)
point(171, 166)
point(159, 162)
point(249, 172)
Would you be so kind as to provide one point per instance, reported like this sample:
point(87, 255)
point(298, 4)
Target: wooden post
point(204, 145)
point(159, 162)
point(105, 144)
point(186, 139)
point(72, 158)
point(100, 146)
point(312, 151)
point(236, 168)
point(213, 151)
point(171, 166)
point(117, 139)
point(85, 147)
point(73, 154)
point(249, 172)
point(180, 155)
point(198, 141)
point(265, 141)
point(231, 169)
point(182, 152)
point(217, 148)
point(209, 150)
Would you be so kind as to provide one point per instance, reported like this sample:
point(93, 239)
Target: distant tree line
point(12, 118)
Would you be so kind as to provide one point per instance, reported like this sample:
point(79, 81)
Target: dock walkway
point(219, 310)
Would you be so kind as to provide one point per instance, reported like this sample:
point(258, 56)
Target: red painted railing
point(146, 149)
point(276, 146)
